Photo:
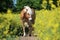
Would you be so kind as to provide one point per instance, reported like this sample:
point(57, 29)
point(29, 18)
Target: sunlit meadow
point(46, 27)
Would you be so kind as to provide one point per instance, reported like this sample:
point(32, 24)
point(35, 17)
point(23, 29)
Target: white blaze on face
point(29, 11)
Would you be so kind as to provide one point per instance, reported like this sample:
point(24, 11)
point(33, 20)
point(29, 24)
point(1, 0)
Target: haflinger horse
point(27, 19)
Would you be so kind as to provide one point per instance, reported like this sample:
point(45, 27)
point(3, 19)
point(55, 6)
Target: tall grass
point(47, 25)
point(10, 25)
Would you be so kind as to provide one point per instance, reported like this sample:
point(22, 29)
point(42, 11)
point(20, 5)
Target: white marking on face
point(30, 18)
point(29, 9)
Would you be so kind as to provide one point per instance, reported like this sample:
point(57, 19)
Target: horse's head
point(28, 13)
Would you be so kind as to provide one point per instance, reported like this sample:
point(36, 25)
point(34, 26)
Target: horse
point(27, 17)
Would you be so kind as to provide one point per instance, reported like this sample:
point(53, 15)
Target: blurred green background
point(47, 23)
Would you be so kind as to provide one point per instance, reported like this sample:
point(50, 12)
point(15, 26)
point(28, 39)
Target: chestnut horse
point(27, 19)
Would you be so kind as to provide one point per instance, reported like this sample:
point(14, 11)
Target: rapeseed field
point(46, 27)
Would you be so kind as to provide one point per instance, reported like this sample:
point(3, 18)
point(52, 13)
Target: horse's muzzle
point(30, 18)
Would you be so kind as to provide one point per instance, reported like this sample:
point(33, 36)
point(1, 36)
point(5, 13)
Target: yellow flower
point(56, 25)
point(46, 38)
point(5, 32)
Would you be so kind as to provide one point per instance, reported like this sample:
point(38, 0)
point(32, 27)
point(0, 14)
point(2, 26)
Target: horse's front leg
point(24, 33)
